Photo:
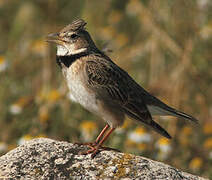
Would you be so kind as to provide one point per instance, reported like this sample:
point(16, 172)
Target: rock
point(44, 158)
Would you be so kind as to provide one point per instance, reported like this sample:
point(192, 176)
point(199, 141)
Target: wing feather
point(114, 84)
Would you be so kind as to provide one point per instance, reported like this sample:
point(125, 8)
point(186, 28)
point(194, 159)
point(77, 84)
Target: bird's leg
point(91, 144)
point(97, 149)
point(102, 133)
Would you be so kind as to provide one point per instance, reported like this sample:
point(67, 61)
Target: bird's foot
point(96, 149)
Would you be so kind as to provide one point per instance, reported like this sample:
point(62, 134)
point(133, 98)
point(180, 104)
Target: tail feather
point(164, 110)
point(185, 116)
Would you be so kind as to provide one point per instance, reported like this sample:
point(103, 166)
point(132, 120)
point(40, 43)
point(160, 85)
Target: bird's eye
point(73, 36)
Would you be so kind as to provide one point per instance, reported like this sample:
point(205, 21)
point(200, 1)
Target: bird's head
point(73, 39)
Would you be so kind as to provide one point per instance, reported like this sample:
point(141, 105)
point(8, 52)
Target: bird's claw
point(95, 149)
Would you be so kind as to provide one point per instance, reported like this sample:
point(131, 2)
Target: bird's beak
point(54, 38)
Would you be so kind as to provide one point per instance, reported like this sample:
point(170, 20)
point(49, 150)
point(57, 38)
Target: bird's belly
point(78, 93)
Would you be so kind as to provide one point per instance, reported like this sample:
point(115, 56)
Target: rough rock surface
point(44, 158)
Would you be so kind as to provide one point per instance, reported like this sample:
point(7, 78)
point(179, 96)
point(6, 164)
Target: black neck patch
point(68, 60)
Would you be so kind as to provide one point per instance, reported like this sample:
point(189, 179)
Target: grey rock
point(44, 158)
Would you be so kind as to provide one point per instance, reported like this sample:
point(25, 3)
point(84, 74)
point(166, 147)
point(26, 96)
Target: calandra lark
point(102, 87)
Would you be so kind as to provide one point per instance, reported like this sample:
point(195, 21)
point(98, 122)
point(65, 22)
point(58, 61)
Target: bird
point(102, 87)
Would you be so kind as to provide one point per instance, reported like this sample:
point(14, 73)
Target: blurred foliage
point(164, 45)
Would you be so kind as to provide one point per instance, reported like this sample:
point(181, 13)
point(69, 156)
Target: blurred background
point(166, 46)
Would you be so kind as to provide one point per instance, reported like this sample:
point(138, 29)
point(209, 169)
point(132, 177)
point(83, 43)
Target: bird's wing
point(114, 84)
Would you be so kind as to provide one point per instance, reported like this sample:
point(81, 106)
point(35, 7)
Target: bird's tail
point(164, 110)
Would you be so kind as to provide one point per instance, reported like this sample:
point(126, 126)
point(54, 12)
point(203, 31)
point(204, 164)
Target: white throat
point(63, 51)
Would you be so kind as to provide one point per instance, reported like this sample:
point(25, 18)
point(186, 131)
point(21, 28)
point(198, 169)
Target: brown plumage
point(102, 87)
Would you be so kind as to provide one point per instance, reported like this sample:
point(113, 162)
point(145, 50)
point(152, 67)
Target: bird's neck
point(69, 59)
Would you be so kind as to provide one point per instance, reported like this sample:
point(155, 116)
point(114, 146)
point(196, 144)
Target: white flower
point(3, 147)
point(164, 147)
point(139, 136)
point(15, 109)
point(23, 139)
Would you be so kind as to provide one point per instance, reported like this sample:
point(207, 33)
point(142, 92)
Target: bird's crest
point(75, 26)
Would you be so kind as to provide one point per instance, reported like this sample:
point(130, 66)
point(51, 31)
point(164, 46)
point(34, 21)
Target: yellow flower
point(164, 147)
point(163, 141)
point(142, 146)
point(50, 96)
point(140, 130)
point(39, 47)
point(88, 125)
point(43, 115)
point(186, 131)
point(53, 95)
point(208, 143)
point(3, 64)
point(163, 144)
point(207, 129)
point(130, 143)
point(41, 136)
point(88, 130)
point(196, 163)
point(24, 101)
